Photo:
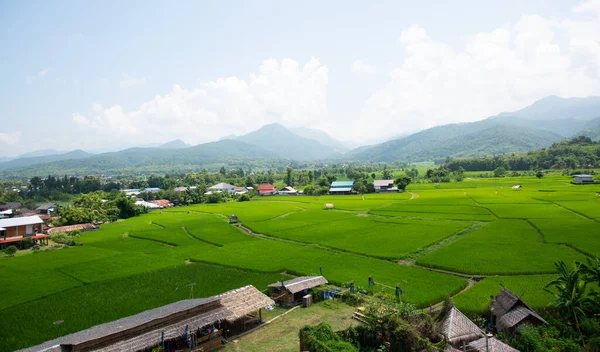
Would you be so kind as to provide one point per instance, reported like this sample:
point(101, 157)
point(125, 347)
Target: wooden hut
point(458, 329)
point(233, 219)
point(489, 344)
point(193, 324)
point(290, 292)
point(509, 311)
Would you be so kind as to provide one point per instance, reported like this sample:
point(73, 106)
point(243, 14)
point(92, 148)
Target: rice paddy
point(484, 227)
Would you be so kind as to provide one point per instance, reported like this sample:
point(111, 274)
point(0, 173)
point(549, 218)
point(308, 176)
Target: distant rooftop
point(335, 184)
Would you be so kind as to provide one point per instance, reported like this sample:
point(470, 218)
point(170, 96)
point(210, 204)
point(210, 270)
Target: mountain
point(590, 129)
point(283, 142)
point(480, 138)
point(40, 153)
point(176, 144)
point(151, 160)
point(555, 108)
point(538, 125)
point(27, 161)
point(323, 138)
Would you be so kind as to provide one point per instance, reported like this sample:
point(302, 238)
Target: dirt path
point(439, 305)
point(413, 195)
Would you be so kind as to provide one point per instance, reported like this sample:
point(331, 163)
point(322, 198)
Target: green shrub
point(530, 341)
point(59, 237)
point(10, 251)
point(27, 243)
point(243, 198)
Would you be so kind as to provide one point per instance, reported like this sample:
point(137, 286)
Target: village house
point(151, 190)
point(14, 230)
point(163, 203)
point(290, 292)
point(131, 192)
point(201, 324)
point(180, 189)
point(222, 187)
point(583, 179)
point(383, 186)
point(9, 206)
point(288, 191)
point(341, 187)
point(464, 335)
point(241, 190)
point(509, 312)
point(266, 190)
point(45, 209)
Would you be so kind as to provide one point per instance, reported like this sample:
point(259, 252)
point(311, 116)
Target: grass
point(282, 334)
point(501, 247)
point(85, 306)
point(476, 227)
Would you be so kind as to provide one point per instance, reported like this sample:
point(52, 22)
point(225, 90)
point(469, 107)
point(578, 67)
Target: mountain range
point(547, 121)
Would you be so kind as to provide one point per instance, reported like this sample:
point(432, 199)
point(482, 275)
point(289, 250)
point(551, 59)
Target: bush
point(59, 237)
point(243, 198)
point(10, 251)
point(27, 243)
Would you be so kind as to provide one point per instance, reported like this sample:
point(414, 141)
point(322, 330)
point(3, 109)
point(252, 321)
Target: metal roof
point(2, 229)
point(26, 220)
point(342, 184)
point(583, 175)
point(341, 189)
point(222, 185)
point(383, 183)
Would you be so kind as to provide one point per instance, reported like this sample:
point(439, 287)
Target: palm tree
point(570, 291)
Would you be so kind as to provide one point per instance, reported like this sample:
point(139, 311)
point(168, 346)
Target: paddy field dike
point(465, 239)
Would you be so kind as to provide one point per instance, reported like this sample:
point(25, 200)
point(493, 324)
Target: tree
point(402, 182)
point(539, 174)
point(591, 270)
point(386, 173)
point(500, 171)
point(288, 177)
point(570, 292)
point(222, 171)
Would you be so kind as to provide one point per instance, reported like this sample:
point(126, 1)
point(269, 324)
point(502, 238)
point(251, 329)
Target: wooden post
point(260, 315)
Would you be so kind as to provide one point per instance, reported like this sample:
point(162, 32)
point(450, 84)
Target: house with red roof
point(266, 189)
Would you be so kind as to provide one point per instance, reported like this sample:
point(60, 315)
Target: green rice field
point(429, 240)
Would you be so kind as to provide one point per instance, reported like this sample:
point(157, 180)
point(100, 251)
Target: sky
point(105, 75)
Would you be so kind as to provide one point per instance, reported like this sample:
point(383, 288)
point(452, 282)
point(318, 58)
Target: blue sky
point(104, 75)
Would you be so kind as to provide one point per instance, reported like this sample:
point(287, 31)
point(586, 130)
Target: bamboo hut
point(290, 292)
point(489, 344)
point(458, 329)
point(194, 324)
point(509, 311)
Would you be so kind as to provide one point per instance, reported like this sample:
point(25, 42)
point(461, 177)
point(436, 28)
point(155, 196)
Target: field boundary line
point(574, 211)
point(164, 243)
point(84, 283)
point(471, 199)
point(414, 256)
point(537, 229)
point(157, 224)
point(570, 246)
point(190, 235)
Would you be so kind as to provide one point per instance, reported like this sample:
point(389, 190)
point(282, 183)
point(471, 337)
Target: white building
point(581, 179)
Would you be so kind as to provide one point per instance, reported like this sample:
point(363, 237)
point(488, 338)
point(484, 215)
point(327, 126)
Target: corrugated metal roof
point(26, 220)
point(2, 229)
point(342, 184)
point(383, 183)
point(341, 189)
point(583, 175)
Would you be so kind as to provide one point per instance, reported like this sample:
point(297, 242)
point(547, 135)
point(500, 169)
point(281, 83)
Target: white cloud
point(362, 67)
point(128, 81)
point(501, 70)
point(283, 92)
point(44, 72)
point(10, 139)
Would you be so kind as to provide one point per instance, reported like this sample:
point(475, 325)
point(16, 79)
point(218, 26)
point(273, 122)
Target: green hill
point(152, 160)
point(27, 161)
point(459, 140)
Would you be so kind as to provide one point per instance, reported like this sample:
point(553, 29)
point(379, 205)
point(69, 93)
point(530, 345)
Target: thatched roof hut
point(457, 329)
point(301, 283)
point(146, 329)
point(491, 345)
point(243, 301)
point(509, 310)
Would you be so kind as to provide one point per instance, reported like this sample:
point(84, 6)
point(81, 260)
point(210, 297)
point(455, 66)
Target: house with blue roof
point(341, 187)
